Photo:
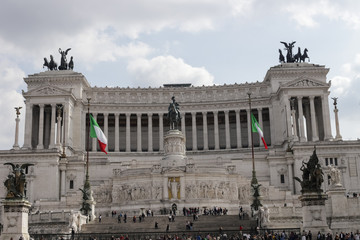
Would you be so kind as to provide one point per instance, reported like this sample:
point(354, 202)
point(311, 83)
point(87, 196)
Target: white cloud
point(306, 13)
point(11, 79)
point(340, 85)
point(167, 69)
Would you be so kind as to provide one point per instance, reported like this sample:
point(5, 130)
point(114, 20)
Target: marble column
point(161, 132)
point(128, 149)
point(326, 117)
point(238, 129)
point(150, 137)
point(205, 131)
point(63, 179)
point(216, 130)
point(58, 132)
point(41, 128)
point(227, 129)
point(117, 147)
point(183, 130)
point(138, 148)
point(288, 117)
point(194, 131)
point(315, 136)
point(290, 163)
point(338, 135)
point(16, 143)
point(94, 140)
point(301, 120)
point(106, 129)
point(248, 114)
point(52, 127)
point(28, 126)
point(293, 116)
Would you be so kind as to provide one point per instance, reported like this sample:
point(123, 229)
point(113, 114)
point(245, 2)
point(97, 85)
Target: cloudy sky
point(203, 42)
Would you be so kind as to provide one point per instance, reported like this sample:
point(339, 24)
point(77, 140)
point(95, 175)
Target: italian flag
point(256, 128)
point(95, 132)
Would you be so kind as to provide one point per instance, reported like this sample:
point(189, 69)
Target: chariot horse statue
point(174, 114)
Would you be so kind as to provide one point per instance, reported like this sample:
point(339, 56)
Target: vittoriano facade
point(206, 163)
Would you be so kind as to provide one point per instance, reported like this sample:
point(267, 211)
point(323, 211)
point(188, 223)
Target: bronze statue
point(16, 183)
point(71, 63)
point(312, 176)
point(281, 57)
point(18, 111)
point(174, 114)
point(297, 56)
point(52, 65)
point(289, 55)
point(304, 56)
point(63, 65)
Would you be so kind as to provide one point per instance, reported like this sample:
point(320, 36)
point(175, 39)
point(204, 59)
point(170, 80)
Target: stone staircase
point(204, 223)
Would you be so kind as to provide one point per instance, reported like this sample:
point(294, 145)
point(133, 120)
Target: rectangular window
point(71, 184)
point(282, 178)
point(326, 161)
point(331, 160)
point(336, 163)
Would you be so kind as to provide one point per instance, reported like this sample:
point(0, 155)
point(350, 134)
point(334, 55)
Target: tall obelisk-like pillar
point(17, 120)
point(338, 136)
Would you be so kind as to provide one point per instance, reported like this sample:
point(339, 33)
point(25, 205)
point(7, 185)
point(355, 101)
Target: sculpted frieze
point(210, 190)
point(135, 192)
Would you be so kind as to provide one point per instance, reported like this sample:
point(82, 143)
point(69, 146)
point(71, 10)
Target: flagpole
point(87, 182)
point(87, 195)
point(254, 183)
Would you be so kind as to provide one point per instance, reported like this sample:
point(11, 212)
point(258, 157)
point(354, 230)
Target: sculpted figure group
point(312, 176)
point(52, 65)
point(16, 182)
point(290, 57)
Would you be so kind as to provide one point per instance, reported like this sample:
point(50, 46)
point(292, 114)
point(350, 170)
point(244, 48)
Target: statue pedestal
point(175, 150)
point(15, 219)
point(339, 207)
point(314, 212)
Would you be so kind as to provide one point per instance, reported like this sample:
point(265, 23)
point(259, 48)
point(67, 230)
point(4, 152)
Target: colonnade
point(309, 117)
point(144, 131)
point(42, 130)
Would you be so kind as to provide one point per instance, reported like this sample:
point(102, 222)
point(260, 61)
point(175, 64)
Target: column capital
point(127, 114)
point(53, 105)
point(41, 105)
point(299, 98)
point(215, 112)
point(138, 115)
point(259, 109)
point(116, 114)
point(311, 97)
point(94, 114)
point(150, 114)
point(106, 114)
point(226, 112)
point(161, 114)
point(193, 113)
point(237, 110)
point(204, 113)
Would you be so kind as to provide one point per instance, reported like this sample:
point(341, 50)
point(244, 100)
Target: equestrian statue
point(174, 114)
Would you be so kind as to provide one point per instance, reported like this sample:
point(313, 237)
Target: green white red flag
point(95, 132)
point(256, 128)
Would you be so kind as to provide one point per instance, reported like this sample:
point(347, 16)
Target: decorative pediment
point(47, 90)
point(304, 82)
